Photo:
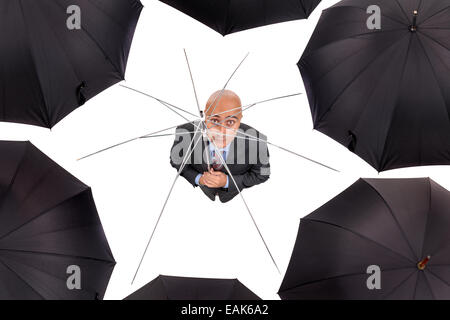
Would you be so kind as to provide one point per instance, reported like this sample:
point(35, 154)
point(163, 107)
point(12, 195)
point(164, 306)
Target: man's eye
point(214, 121)
point(230, 123)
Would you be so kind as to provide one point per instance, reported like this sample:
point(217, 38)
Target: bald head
point(223, 101)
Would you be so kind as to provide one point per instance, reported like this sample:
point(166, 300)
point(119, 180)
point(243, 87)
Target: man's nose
point(223, 129)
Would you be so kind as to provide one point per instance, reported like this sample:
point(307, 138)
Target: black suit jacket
point(246, 173)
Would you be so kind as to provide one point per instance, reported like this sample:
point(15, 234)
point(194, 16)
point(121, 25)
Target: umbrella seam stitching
point(42, 213)
point(22, 279)
point(394, 217)
point(352, 81)
point(383, 15)
point(381, 161)
point(99, 47)
point(361, 236)
point(434, 71)
point(30, 51)
point(16, 172)
point(336, 277)
point(58, 254)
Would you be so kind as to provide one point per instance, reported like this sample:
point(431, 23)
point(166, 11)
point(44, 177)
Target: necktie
point(216, 161)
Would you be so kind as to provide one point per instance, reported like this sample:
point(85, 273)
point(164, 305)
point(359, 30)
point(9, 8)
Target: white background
point(198, 237)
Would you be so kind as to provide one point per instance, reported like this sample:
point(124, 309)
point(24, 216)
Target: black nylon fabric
point(229, 16)
point(48, 222)
point(385, 93)
point(391, 223)
point(179, 288)
point(47, 70)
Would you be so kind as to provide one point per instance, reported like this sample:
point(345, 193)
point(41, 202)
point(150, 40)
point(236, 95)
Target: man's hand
point(214, 179)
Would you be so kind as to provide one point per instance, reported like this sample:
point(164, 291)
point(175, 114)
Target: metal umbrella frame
point(202, 128)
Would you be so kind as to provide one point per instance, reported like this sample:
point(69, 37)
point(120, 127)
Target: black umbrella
point(383, 93)
point(47, 69)
point(49, 227)
point(400, 225)
point(227, 16)
point(178, 288)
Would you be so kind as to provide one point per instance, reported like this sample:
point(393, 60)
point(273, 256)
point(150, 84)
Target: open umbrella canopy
point(383, 91)
point(57, 54)
point(227, 16)
point(49, 230)
point(179, 288)
point(397, 225)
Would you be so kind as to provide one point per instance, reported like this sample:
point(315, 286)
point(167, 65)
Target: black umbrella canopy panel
point(182, 288)
point(379, 239)
point(52, 243)
point(57, 54)
point(230, 16)
point(378, 83)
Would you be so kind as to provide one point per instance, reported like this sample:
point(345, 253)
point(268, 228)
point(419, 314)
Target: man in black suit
point(220, 138)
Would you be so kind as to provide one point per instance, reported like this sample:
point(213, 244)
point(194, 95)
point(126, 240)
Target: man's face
point(223, 118)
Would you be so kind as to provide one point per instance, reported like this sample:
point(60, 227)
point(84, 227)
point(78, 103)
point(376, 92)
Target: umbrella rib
point(434, 274)
point(429, 286)
point(415, 287)
point(22, 279)
point(427, 217)
point(198, 106)
point(245, 202)
point(89, 290)
point(366, 104)
point(57, 255)
point(109, 16)
point(183, 163)
point(433, 28)
point(128, 141)
point(420, 5)
point(167, 134)
point(193, 83)
point(246, 107)
point(340, 63)
point(434, 73)
point(390, 124)
point(399, 285)
point(305, 56)
point(41, 214)
point(394, 217)
point(16, 172)
point(47, 113)
point(403, 10)
point(36, 185)
point(435, 14)
point(383, 15)
point(337, 277)
point(361, 236)
point(249, 106)
point(164, 103)
point(215, 102)
point(352, 81)
point(208, 160)
point(96, 43)
point(279, 147)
